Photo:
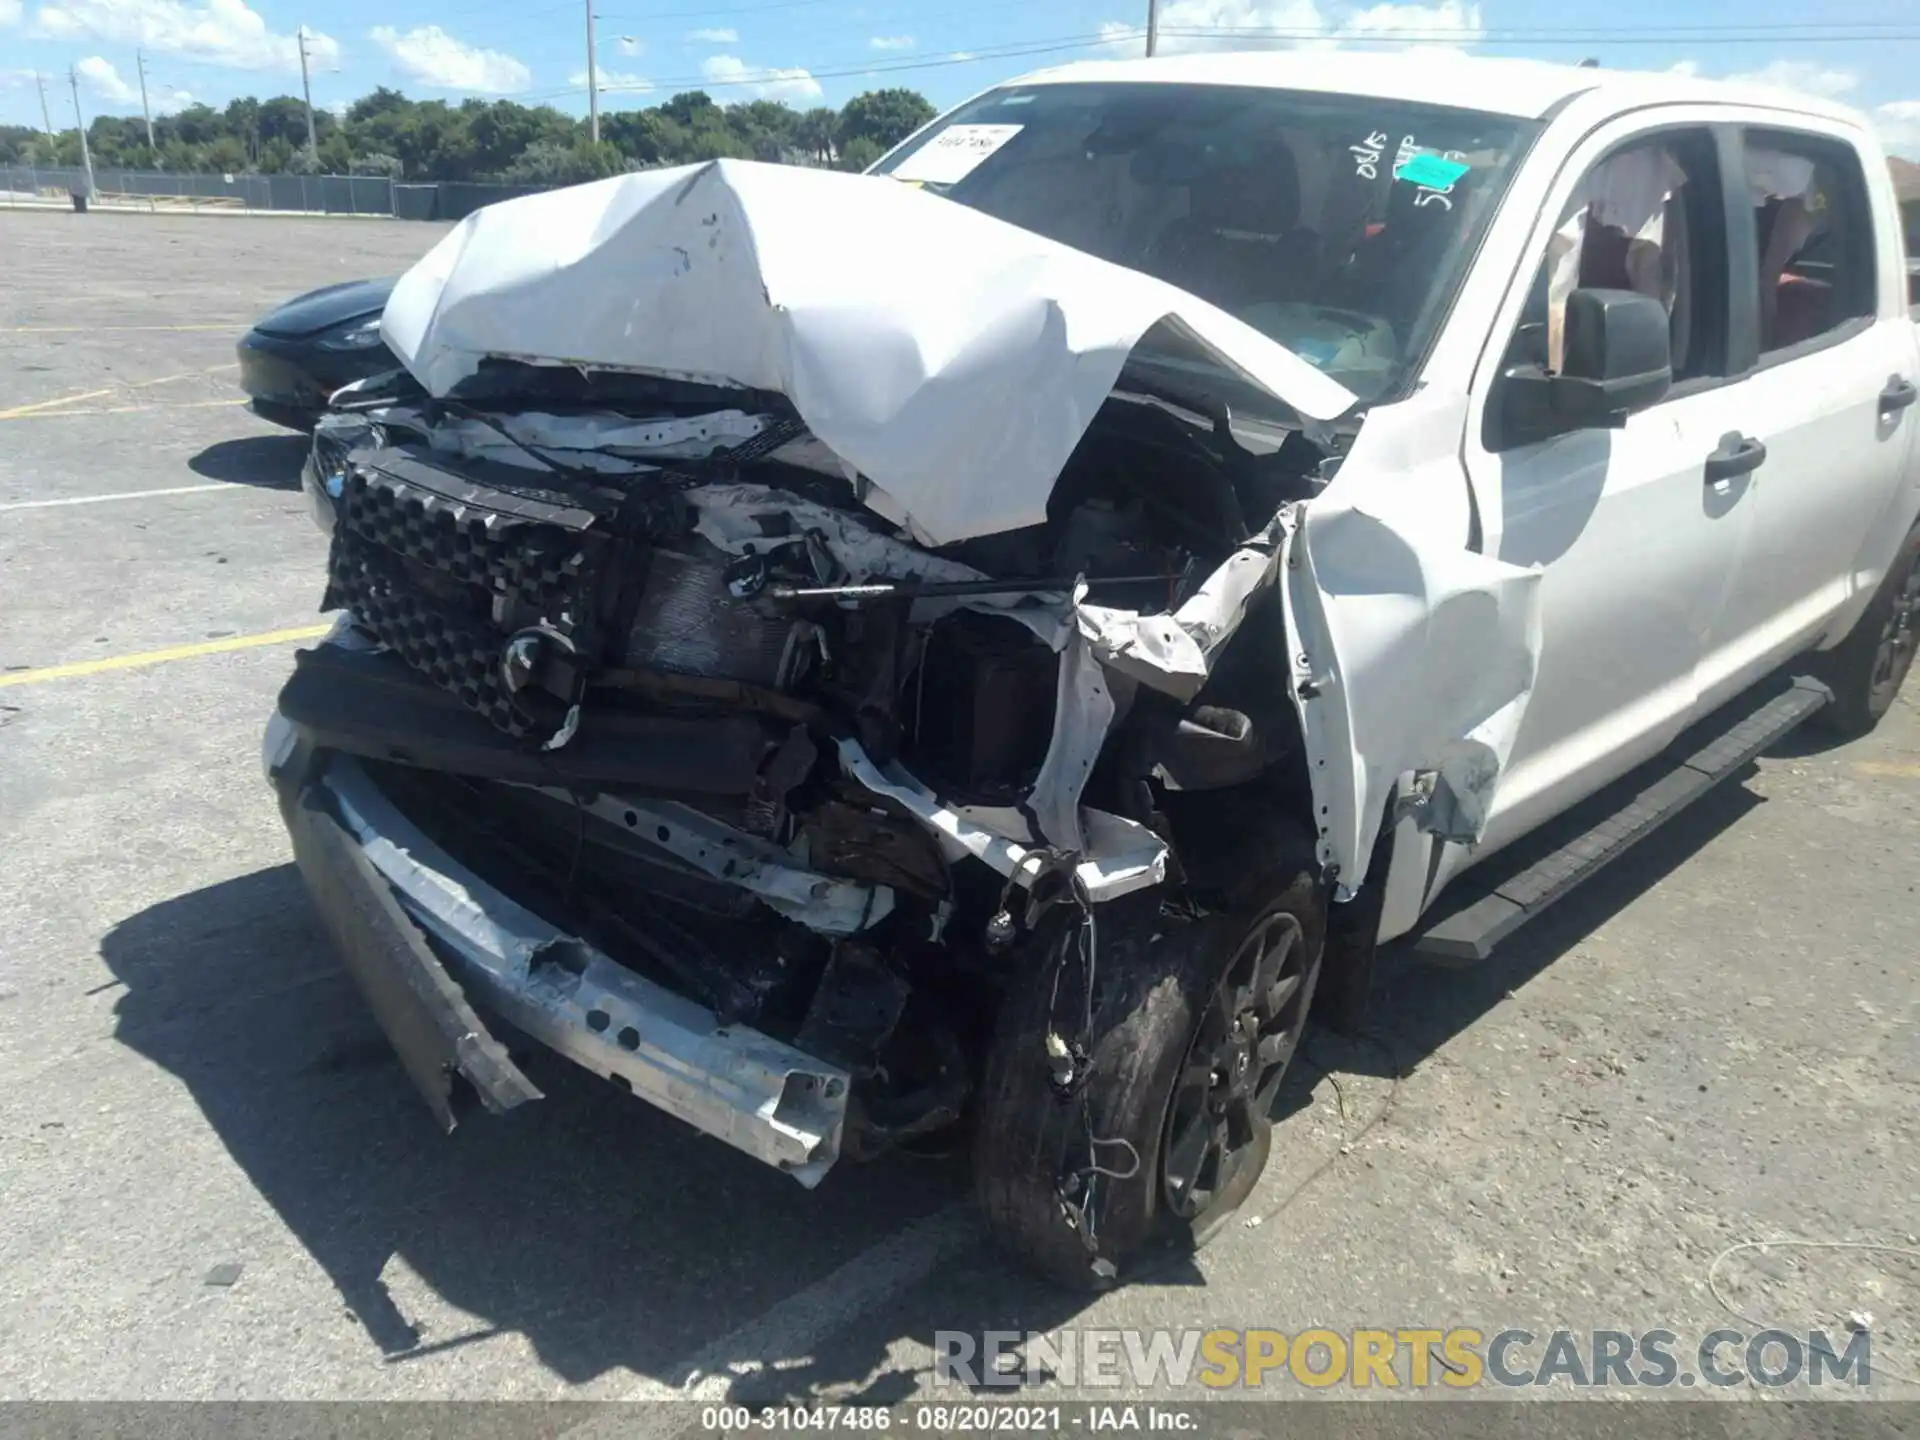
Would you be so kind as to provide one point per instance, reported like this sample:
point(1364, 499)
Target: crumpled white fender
point(952, 359)
point(1410, 656)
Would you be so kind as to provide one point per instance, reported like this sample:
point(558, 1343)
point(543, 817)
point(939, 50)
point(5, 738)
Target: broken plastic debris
point(1859, 1320)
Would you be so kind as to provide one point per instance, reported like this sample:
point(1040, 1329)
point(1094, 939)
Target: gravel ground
point(217, 1182)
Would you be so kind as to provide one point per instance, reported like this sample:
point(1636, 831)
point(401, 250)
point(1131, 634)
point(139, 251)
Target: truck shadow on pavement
point(270, 462)
point(609, 1235)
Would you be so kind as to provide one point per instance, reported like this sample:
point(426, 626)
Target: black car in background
point(298, 355)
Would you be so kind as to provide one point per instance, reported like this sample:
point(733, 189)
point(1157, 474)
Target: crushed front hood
point(951, 359)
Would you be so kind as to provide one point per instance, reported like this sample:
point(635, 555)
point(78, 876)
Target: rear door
point(1822, 336)
point(1637, 554)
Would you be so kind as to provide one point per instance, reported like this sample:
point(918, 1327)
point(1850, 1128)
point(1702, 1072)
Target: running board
point(1691, 768)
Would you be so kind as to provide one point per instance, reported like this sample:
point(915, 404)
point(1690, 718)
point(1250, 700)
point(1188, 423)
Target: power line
point(1015, 50)
point(774, 75)
point(1667, 35)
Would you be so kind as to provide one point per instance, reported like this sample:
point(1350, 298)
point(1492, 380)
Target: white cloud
point(1187, 25)
point(105, 83)
point(1898, 122)
point(747, 83)
point(10, 12)
point(959, 56)
point(891, 42)
point(1809, 77)
point(613, 82)
point(715, 35)
point(220, 32)
point(108, 86)
point(432, 57)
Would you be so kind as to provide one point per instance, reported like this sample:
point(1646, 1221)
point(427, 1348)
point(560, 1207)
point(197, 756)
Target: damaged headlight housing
point(324, 476)
point(360, 335)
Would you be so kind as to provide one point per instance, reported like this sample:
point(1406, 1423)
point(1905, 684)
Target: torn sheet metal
point(730, 519)
point(952, 358)
point(609, 442)
point(762, 1096)
point(1174, 653)
point(1120, 856)
point(820, 902)
point(1411, 656)
point(1083, 711)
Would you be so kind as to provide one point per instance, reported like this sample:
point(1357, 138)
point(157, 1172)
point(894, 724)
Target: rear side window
point(1813, 237)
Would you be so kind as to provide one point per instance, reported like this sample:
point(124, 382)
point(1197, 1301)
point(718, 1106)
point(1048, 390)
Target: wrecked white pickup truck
point(842, 656)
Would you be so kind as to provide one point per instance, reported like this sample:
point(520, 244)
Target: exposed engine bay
point(639, 653)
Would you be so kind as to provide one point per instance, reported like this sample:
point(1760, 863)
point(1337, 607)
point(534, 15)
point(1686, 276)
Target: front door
point(1638, 549)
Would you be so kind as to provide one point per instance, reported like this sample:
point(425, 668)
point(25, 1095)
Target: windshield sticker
point(1431, 172)
point(955, 153)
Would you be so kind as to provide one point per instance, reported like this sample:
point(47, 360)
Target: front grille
point(458, 655)
point(445, 571)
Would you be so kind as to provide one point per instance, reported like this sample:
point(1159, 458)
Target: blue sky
point(821, 51)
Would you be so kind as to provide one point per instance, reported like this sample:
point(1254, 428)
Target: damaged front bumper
point(427, 941)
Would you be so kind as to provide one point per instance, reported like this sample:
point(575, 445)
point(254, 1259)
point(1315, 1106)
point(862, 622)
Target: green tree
point(242, 117)
point(381, 101)
point(817, 130)
point(502, 131)
point(886, 117)
point(547, 163)
point(858, 153)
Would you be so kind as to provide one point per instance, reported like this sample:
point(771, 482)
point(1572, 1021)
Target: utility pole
point(46, 115)
point(86, 155)
point(140, 64)
point(593, 83)
point(1153, 26)
point(306, 88)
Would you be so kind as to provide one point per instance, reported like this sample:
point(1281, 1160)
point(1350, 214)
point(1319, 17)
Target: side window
point(1813, 235)
point(1647, 217)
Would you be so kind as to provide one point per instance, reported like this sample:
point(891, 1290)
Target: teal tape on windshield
point(1431, 171)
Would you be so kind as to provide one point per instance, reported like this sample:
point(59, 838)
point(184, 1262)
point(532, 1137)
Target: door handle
point(1736, 454)
point(1898, 395)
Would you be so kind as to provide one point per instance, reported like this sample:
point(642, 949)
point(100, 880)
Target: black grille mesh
point(425, 573)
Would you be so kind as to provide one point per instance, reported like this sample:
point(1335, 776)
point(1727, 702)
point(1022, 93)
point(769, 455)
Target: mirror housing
point(1618, 361)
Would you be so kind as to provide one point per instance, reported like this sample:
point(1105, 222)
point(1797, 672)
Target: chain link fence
point(308, 194)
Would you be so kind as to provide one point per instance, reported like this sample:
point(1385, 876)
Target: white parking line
point(121, 495)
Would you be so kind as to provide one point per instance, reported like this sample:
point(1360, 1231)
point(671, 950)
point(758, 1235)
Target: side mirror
point(1618, 360)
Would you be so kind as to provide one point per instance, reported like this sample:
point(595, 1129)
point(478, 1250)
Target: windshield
point(1338, 225)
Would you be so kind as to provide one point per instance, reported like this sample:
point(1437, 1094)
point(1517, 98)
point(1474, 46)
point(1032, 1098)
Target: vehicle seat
point(1394, 265)
point(1792, 307)
point(1239, 242)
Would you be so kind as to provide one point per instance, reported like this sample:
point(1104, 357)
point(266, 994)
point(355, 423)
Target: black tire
point(1158, 981)
point(1866, 670)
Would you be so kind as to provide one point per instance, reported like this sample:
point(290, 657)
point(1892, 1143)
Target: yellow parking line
point(39, 406)
point(19, 410)
point(160, 657)
point(109, 329)
point(125, 409)
point(1890, 768)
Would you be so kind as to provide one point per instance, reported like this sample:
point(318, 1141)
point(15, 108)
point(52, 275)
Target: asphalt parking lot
point(216, 1181)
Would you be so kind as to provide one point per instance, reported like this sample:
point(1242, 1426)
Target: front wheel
point(1867, 669)
point(1194, 1023)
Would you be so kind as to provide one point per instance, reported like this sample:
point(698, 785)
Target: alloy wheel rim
point(1226, 1086)
point(1897, 638)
